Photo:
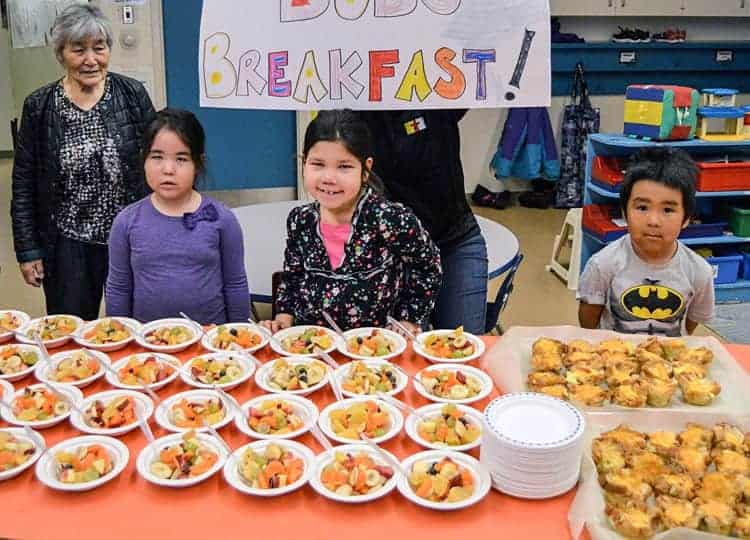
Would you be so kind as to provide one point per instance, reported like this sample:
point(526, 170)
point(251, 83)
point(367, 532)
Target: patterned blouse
point(390, 267)
point(91, 190)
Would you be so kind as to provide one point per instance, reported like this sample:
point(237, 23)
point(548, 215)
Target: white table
point(264, 229)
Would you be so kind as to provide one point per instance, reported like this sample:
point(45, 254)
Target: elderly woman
point(77, 164)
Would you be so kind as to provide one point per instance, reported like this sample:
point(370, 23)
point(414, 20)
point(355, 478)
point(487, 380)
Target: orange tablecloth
point(129, 507)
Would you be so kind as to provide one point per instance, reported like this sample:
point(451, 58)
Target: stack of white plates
point(532, 445)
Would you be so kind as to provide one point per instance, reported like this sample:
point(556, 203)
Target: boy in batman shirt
point(647, 281)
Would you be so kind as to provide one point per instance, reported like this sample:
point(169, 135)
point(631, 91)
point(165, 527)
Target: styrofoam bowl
point(327, 457)
point(43, 371)
point(209, 336)
point(50, 343)
point(133, 326)
point(393, 337)
point(143, 404)
point(27, 435)
point(247, 366)
point(71, 391)
point(46, 467)
point(23, 318)
point(299, 330)
point(482, 480)
point(324, 420)
point(150, 453)
point(402, 379)
point(485, 379)
point(193, 328)
point(421, 351)
point(115, 381)
point(235, 479)
point(303, 407)
point(163, 414)
point(17, 376)
point(263, 376)
point(429, 411)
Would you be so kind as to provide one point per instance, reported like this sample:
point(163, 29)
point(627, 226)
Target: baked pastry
point(745, 483)
point(731, 462)
point(648, 465)
point(628, 484)
point(716, 517)
point(657, 369)
point(633, 393)
point(580, 345)
point(677, 512)
point(692, 461)
point(555, 390)
point(675, 485)
point(537, 379)
point(608, 455)
point(633, 522)
point(699, 391)
point(652, 345)
point(584, 374)
point(620, 372)
point(590, 395)
point(628, 439)
point(660, 392)
point(616, 345)
point(699, 355)
point(741, 527)
point(729, 437)
point(587, 358)
point(696, 436)
point(717, 486)
point(545, 345)
point(687, 371)
point(672, 348)
point(546, 361)
point(642, 356)
point(662, 442)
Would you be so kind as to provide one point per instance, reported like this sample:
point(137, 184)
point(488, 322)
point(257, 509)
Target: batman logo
point(652, 302)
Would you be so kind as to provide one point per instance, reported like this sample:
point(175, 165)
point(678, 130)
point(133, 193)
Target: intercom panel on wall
point(138, 48)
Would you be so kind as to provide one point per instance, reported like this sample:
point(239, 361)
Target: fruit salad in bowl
point(224, 370)
point(181, 459)
point(343, 421)
point(108, 334)
point(10, 321)
point(454, 383)
point(454, 346)
point(18, 361)
point(369, 377)
point(75, 367)
point(293, 375)
point(19, 449)
point(227, 337)
point(458, 427)
point(154, 370)
point(366, 343)
point(304, 340)
point(277, 416)
point(189, 410)
point(53, 330)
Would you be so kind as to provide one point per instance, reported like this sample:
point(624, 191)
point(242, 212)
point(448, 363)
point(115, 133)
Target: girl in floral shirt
point(351, 252)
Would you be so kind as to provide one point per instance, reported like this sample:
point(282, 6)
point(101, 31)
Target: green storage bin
point(739, 221)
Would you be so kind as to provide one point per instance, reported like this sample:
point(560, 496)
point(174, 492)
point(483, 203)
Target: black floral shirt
point(92, 188)
point(390, 267)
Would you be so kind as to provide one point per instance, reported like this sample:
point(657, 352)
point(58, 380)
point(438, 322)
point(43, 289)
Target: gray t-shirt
point(646, 298)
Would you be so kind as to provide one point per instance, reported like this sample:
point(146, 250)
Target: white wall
point(7, 106)
point(481, 129)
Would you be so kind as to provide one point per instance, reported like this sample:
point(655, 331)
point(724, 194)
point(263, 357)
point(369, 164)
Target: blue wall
point(246, 149)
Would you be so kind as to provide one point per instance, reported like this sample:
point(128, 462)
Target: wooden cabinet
point(721, 8)
point(582, 8)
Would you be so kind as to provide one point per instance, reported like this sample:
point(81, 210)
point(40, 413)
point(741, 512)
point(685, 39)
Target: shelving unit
point(620, 146)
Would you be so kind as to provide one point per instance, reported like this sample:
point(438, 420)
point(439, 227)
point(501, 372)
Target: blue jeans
point(463, 296)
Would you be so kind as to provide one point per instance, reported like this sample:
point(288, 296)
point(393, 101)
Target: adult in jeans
point(76, 165)
point(418, 157)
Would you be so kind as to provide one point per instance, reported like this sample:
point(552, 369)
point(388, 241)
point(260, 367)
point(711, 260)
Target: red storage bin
point(607, 170)
point(723, 176)
point(597, 220)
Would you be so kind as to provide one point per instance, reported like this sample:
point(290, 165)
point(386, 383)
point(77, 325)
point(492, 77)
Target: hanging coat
point(527, 146)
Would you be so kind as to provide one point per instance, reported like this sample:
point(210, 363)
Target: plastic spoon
point(392, 462)
point(111, 371)
point(321, 438)
point(403, 329)
point(271, 337)
point(401, 405)
point(59, 395)
point(218, 437)
point(332, 366)
point(232, 402)
point(145, 428)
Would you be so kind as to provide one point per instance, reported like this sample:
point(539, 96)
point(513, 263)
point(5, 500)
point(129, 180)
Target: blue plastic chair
point(496, 307)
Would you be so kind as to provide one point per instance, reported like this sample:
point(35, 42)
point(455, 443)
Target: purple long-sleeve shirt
point(159, 266)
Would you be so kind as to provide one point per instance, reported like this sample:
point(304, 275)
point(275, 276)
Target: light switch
point(128, 16)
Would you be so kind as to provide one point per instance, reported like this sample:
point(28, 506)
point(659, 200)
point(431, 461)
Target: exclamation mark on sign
point(515, 80)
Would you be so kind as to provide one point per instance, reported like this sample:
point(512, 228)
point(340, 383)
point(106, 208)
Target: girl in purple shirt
point(176, 250)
